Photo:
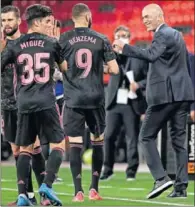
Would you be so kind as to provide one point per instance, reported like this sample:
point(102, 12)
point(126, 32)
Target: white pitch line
point(7, 181)
point(116, 199)
point(105, 186)
point(144, 189)
point(58, 183)
point(72, 185)
point(109, 186)
point(188, 193)
point(133, 189)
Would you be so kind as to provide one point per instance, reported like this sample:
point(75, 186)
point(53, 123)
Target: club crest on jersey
point(82, 39)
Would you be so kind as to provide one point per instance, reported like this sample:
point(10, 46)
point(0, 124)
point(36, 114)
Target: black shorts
point(9, 125)
point(45, 122)
point(60, 103)
point(75, 118)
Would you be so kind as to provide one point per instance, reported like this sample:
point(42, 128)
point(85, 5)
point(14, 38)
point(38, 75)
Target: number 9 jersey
point(34, 57)
point(85, 52)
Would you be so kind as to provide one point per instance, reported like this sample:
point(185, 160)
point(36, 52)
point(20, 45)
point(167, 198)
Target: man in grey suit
point(128, 112)
point(169, 92)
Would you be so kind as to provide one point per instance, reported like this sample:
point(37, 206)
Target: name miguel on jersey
point(32, 43)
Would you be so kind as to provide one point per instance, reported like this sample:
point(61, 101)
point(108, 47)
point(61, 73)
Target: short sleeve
point(58, 53)
point(64, 46)
point(108, 51)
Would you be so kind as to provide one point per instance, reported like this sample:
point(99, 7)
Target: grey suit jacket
point(192, 74)
point(168, 79)
point(140, 68)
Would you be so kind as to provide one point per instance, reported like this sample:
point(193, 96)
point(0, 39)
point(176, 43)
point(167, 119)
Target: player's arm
point(151, 54)
point(106, 69)
point(113, 67)
point(59, 58)
point(64, 50)
point(110, 58)
point(3, 40)
point(57, 76)
point(3, 45)
point(63, 66)
point(7, 56)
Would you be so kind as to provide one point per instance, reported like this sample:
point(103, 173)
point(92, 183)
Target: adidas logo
point(78, 176)
point(96, 173)
point(21, 182)
point(43, 173)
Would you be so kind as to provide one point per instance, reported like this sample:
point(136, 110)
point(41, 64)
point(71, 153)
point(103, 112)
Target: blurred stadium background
point(107, 15)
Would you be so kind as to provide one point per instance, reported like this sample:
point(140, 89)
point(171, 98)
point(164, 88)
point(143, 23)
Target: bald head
point(152, 16)
point(155, 8)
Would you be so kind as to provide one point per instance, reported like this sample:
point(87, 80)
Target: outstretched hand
point(118, 45)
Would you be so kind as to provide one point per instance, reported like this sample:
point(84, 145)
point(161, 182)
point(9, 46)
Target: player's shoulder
point(10, 43)
point(20, 39)
point(39, 36)
point(98, 35)
point(67, 35)
point(22, 35)
point(48, 39)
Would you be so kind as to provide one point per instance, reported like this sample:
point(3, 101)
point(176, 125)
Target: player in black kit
point(85, 51)
point(35, 56)
point(10, 16)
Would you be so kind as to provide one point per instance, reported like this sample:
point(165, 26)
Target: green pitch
point(116, 192)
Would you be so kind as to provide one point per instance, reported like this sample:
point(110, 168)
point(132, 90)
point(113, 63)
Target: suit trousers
point(122, 114)
point(156, 117)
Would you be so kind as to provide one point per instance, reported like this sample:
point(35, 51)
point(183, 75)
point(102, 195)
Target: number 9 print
point(86, 64)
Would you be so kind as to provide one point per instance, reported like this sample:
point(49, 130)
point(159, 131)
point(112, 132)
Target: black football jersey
point(34, 56)
point(9, 82)
point(85, 52)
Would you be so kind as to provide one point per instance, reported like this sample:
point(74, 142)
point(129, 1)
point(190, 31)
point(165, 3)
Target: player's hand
point(106, 69)
point(3, 41)
point(134, 86)
point(118, 45)
point(142, 117)
point(57, 75)
point(67, 145)
point(55, 31)
point(192, 115)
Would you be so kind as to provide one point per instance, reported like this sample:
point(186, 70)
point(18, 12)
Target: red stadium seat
point(177, 13)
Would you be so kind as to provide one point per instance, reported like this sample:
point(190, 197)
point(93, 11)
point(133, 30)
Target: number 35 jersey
point(85, 52)
point(34, 57)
